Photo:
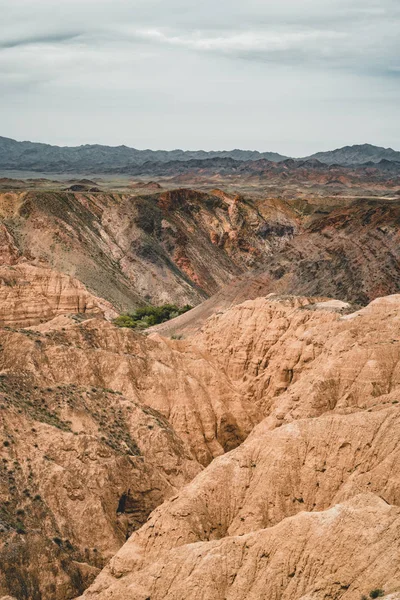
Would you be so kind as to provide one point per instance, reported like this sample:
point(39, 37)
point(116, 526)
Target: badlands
point(248, 449)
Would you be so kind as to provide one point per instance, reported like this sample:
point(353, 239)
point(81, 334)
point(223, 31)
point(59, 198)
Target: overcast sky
point(293, 76)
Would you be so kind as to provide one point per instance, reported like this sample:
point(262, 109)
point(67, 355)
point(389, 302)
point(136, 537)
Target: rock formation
point(248, 449)
point(81, 468)
point(351, 254)
point(178, 246)
point(313, 387)
point(308, 505)
point(32, 294)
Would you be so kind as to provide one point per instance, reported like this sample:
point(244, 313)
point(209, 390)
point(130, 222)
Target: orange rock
point(32, 294)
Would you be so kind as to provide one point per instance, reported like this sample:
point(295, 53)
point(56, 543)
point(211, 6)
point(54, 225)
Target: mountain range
point(15, 155)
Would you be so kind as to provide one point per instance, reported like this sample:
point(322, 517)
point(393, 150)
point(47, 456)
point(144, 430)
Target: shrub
point(20, 527)
point(124, 321)
point(378, 593)
point(147, 316)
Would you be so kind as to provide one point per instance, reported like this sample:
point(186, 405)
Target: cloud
point(260, 73)
point(243, 42)
point(57, 38)
point(362, 35)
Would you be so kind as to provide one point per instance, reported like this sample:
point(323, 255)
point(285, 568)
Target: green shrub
point(147, 316)
point(20, 527)
point(124, 321)
point(378, 593)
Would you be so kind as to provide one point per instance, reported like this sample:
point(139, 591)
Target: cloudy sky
point(286, 75)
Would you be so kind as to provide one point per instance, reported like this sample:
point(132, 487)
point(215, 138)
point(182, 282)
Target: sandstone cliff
point(247, 449)
point(31, 294)
point(290, 401)
point(308, 505)
point(81, 468)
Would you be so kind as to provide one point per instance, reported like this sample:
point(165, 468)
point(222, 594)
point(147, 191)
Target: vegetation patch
point(147, 316)
point(378, 593)
point(38, 403)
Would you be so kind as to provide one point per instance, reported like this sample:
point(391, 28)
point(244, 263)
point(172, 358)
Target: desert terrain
point(247, 449)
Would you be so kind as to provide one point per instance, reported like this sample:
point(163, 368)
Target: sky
point(289, 76)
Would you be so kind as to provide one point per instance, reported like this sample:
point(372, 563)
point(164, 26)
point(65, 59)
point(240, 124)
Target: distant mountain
point(95, 158)
point(355, 155)
point(32, 156)
point(311, 170)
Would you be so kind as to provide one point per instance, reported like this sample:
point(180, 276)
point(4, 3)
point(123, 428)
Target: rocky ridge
point(178, 246)
point(102, 159)
point(247, 449)
point(308, 505)
point(349, 253)
point(97, 158)
point(309, 397)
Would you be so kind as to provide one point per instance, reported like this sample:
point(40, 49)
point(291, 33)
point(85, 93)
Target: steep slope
point(292, 560)
point(174, 378)
point(265, 361)
point(81, 468)
point(351, 253)
point(259, 522)
point(272, 426)
point(213, 398)
point(184, 246)
point(176, 246)
point(304, 467)
point(32, 294)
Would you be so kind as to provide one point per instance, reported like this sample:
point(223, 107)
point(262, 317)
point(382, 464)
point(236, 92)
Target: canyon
point(245, 450)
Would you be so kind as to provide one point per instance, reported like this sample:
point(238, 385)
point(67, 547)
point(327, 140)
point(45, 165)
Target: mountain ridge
point(38, 156)
point(357, 154)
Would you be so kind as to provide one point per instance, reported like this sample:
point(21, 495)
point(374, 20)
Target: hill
point(357, 154)
point(33, 156)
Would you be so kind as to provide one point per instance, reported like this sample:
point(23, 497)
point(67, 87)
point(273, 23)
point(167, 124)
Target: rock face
point(81, 469)
point(32, 294)
point(9, 253)
point(176, 246)
point(254, 458)
point(290, 401)
point(351, 254)
point(308, 505)
point(184, 246)
point(172, 377)
point(291, 560)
